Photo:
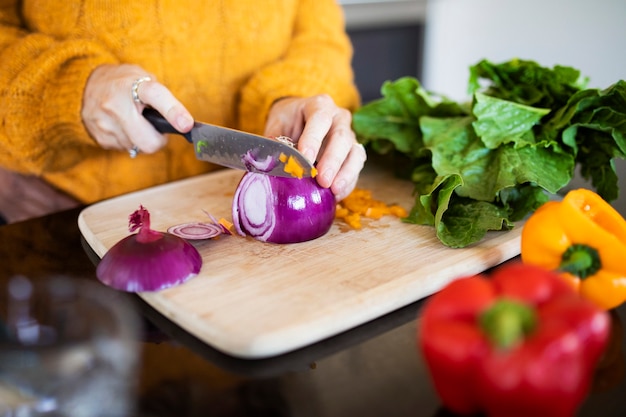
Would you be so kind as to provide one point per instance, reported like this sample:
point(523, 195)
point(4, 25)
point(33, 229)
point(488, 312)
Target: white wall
point(587, 35)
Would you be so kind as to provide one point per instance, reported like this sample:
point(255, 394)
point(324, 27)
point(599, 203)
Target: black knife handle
point(162, 125)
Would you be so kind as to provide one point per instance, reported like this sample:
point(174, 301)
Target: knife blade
point(240, 150)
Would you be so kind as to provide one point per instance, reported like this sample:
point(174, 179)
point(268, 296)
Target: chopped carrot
point(292, 166)
point(341, 211)
point(226, 225)
point(398, 211)
point(360, 203)
point(353, 220)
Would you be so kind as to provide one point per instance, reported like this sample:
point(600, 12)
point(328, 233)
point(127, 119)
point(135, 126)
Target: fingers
point(319, 116)
point(153, 94)
point(348, 175)
point(115, 96)
point(328, 138)
point(159, 97)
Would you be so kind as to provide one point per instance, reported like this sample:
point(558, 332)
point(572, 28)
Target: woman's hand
point(324, 134)
point(114, 119)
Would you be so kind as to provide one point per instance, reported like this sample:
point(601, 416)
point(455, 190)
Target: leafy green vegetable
point(393, 123)
point(485, 164)
point(518, 121)
point(527, 82)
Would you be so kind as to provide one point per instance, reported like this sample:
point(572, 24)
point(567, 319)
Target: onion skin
point(282, 210)
point(148, 260)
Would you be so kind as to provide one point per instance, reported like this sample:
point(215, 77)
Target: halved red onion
point(282, 210)
point(148, 260)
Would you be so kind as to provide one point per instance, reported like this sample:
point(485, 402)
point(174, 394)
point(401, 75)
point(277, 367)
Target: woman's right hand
point(114, 119)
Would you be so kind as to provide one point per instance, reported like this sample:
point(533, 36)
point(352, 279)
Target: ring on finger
point(133, 152)
point(135, 87)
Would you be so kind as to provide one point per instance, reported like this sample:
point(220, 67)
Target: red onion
point(196, 230)
point(223, 223)
point(282, 210)
point(265, 165)
point(201, 230)
point(148, 260)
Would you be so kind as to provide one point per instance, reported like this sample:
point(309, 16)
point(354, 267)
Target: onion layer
point(282, 210)
point(196, 230)
point(148, 260)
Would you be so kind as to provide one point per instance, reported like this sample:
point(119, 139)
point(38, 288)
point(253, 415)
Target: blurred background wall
point(588, 35)
point(387, 36)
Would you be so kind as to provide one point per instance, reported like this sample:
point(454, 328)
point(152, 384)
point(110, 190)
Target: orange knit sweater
point(227, 61)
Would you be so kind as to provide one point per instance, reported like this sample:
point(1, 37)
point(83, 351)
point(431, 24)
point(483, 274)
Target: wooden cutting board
point(255, 300)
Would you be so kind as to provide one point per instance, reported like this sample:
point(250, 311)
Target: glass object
point(68, 348)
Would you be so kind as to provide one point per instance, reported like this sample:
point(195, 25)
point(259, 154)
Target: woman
point(76, 75)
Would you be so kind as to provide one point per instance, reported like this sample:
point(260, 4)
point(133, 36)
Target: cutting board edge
point(87, 233)
point(273, 343)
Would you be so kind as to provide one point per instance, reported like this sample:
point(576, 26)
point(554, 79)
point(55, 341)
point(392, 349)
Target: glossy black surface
point(372, 370)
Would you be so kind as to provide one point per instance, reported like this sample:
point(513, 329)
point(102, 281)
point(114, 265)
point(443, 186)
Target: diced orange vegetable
point(226, 224)
point(398, 211)
point(341, 212)
point(353, 220)
point(360, 203)
point(293, 167)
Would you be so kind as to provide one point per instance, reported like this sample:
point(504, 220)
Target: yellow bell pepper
point(584, 238)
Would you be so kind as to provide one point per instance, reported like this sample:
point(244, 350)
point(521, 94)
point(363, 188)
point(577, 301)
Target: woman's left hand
point(323, 133)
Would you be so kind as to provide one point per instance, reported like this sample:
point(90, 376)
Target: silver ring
point(133, 90)
point(133, 152)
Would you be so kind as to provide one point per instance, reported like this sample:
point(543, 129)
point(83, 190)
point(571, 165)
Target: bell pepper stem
point(507, 322)
point(581, 261)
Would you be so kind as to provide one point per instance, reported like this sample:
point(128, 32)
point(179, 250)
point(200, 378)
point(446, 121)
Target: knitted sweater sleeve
point(41, 87)
point(317, 61)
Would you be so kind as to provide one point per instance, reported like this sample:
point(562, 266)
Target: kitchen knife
point(240, 150)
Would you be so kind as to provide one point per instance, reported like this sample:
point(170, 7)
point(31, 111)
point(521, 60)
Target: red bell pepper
point(517, 344)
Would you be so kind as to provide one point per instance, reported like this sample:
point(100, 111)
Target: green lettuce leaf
point(468, 221)
point(597, 132)
point(458, 222)
point(456, 149)
point(526, 82)
point(485, 164)
point(392, 122)
point(499, 122)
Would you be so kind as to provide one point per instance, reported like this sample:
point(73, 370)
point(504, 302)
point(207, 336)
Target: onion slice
point(223, 223)
point(148, 260)
point(282, 210)
point(196, 230)
point(201, 230)
point(266, 165)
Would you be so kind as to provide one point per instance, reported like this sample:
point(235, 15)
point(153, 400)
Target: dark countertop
point(372, 370)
